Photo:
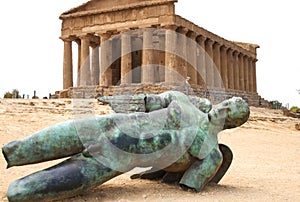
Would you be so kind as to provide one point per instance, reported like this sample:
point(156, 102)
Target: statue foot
point(148, 175)
point(172, 178)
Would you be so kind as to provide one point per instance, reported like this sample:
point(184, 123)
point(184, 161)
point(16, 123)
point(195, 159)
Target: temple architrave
point(134, 46)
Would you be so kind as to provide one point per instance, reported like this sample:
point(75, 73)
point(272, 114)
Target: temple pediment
point(96, 6)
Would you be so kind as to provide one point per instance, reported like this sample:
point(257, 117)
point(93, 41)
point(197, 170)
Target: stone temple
point(134, 46)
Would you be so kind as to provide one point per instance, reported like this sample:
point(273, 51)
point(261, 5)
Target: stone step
point(215, 95)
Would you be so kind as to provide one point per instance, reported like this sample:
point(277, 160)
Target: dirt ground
point(265, 167)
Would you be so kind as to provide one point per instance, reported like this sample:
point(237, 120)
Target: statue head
point(231, 113)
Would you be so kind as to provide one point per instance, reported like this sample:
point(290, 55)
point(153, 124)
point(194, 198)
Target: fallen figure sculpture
point(176, 135)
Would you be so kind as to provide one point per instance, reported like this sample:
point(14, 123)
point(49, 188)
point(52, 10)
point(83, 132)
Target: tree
point(16, 93)
point(13, 94)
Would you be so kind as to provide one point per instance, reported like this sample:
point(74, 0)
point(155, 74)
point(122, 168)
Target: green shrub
point(295, 109)
point(8, 95)
point(13, 94)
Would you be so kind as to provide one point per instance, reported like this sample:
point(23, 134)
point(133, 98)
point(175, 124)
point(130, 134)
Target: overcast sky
point(31, 51)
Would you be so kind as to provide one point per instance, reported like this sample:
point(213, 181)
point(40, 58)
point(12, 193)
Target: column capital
point(66, 39)
point(246, 57)
point(182, 30)
point(209, 42)
point(148, 31)
point(217, 45)
point(192, 35)
point(105, 34)
point(252, 59)
point(85, 36)
point(229, 50)
point(78, 41)
point(200, 38)
point(171, 27)
point(241, 55)
point(236, 53)
point(94, 41)
point(123, 31)
point(223, 48)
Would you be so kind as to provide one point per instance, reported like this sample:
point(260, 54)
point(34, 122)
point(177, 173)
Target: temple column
point(191, 50)
point(230, 69)
point(254, 76)
point(85, 77)
point(201, 61)
point(246, 73)
point(68, 65)
point(126, 60)
point(250, 76)
point(236, 70)
point(170, 56)
point(217, 67)
point(148, 69)
point(182, 52)
point(95, 65)
point(209, 63)
point(161, 53)
point(78, 41)
point(241, 72)
point(106, 60)
point(224, 69)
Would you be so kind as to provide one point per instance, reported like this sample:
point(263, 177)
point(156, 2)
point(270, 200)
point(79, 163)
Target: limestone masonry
point(133, 46)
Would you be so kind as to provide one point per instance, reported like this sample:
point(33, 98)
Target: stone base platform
point(214, 95)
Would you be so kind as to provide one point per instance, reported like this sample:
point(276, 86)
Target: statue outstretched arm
point(151, 102)
point(125, 103)
point(155, 102)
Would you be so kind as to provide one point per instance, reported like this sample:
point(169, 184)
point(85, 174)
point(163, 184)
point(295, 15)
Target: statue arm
point(163, 100)
point(125, 103)
point(141, 102)
point(152, 102)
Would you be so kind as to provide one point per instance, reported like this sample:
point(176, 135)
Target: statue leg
point(171, 177)
point(202, 171)
point(55, 142)
point(69, 178)
point(227, 159)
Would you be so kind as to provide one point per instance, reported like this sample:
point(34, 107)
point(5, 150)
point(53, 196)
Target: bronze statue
point(174, 134)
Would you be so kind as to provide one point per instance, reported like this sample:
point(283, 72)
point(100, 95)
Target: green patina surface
point(171, 132)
